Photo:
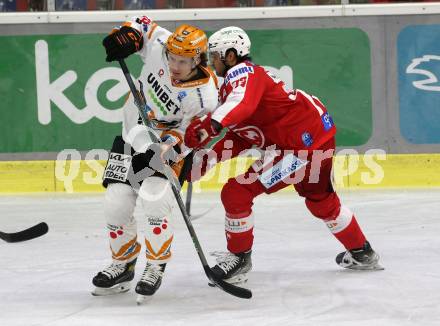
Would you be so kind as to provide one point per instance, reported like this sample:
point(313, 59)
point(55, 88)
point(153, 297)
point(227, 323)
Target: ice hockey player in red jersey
point(297, 136)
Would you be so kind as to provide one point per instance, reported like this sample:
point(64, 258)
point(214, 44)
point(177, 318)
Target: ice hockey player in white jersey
point(177, 86)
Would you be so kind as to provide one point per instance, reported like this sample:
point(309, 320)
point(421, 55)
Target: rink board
point(351, 172)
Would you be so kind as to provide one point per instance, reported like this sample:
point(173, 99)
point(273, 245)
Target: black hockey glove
point(122, 42)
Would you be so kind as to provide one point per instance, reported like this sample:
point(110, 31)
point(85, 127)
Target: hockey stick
point(188, 200)
point(143, 111)
point(186, 168)
point(28, 234)
point(189, 191)
point(197, 216)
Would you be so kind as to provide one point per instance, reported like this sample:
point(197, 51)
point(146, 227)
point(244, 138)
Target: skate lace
point(151, 274)
point(226, 260)
point(114, 270)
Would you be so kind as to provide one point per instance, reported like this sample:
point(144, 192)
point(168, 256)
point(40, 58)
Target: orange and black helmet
point(187, 41)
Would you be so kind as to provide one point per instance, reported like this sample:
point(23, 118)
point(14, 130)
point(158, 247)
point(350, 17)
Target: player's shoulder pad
point(238, 71)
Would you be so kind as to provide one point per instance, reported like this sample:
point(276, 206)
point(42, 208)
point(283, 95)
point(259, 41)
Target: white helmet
point(230, 38)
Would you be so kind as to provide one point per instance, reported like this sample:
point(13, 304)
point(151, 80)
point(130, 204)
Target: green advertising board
point(58, 92)
point(332, 64)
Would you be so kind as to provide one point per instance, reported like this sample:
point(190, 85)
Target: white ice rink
point(295, 281)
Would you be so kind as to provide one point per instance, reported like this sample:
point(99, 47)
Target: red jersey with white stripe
point(257, 106)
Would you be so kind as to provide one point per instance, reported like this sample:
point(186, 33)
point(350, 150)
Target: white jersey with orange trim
point(172, 104)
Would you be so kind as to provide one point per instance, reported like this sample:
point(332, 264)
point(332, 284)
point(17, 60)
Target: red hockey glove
point(201, 131)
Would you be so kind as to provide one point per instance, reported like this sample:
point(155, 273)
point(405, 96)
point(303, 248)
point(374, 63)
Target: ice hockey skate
point(150, 282)
point(364, 258)
point(232, 268)
point(114, 279)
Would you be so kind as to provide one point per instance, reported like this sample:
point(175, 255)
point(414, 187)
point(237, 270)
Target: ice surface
point(295, 281)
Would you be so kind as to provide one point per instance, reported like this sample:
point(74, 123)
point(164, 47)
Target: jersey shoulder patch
point(238, 71)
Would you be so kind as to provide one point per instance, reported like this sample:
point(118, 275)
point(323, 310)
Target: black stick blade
point(28, 234)
point(232, 289)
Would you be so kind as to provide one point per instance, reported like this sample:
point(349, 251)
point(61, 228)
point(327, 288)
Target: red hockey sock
point(239, 232)
point(351, 236)
point(346, 229)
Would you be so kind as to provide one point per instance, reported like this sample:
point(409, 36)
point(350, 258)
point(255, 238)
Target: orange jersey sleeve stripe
point(153, 27)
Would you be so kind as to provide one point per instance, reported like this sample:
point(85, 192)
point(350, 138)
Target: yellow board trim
point(350, 172)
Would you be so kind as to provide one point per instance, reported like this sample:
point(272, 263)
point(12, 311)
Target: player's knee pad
point(324, 206)
point(119, 204)
point(237, 198)
point(157, 197)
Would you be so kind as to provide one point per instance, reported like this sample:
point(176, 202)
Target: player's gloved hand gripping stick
point(201, 131)
point(143, 112)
